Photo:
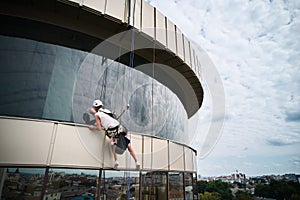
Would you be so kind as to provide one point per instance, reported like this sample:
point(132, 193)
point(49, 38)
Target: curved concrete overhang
point(92, 22)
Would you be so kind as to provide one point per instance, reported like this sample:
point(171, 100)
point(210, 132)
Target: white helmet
point(97, 103)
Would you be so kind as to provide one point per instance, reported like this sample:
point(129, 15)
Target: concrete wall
point(26, 142)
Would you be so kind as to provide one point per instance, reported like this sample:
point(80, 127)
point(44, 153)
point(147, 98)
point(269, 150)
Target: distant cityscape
point(242, 182)
point(243, 178)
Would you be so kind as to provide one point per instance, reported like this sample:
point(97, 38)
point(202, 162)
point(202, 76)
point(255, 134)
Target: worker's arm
point(99, 126)
point(98, 121)
point(93, 111)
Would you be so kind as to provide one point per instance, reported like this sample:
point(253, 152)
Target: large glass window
point(119, 185)
point(37, 79)
point(188, 186)
point(21, 183)
point(154, 185)
point(72, 184)
point(176, 185)
point(195, 187)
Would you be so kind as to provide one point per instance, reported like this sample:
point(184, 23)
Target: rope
point(152, 92)
point(118, 74)
point(131, 65)
point(103, 89)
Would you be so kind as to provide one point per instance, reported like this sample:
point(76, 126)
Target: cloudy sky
point(255, 47)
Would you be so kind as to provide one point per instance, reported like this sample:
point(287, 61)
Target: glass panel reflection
point(154, 185)
point(119, 185)
point(176, 185)
point(195, 189)
point(21, 183)
point(71, 184)
point(75, 184)
point(188, 186)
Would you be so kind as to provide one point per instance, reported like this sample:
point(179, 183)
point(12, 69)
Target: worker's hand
point(91, 127)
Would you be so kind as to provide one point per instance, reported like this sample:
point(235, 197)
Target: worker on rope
point(106, 120)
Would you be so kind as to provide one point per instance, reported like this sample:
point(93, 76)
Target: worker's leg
point(114, 152)
point(130, 149)
point(115, 156)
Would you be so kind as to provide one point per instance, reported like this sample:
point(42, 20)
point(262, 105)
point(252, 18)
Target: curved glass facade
point(46, 81)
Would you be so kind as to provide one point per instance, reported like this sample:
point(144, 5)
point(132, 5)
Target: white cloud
point(295, 160)
point(255, 46)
